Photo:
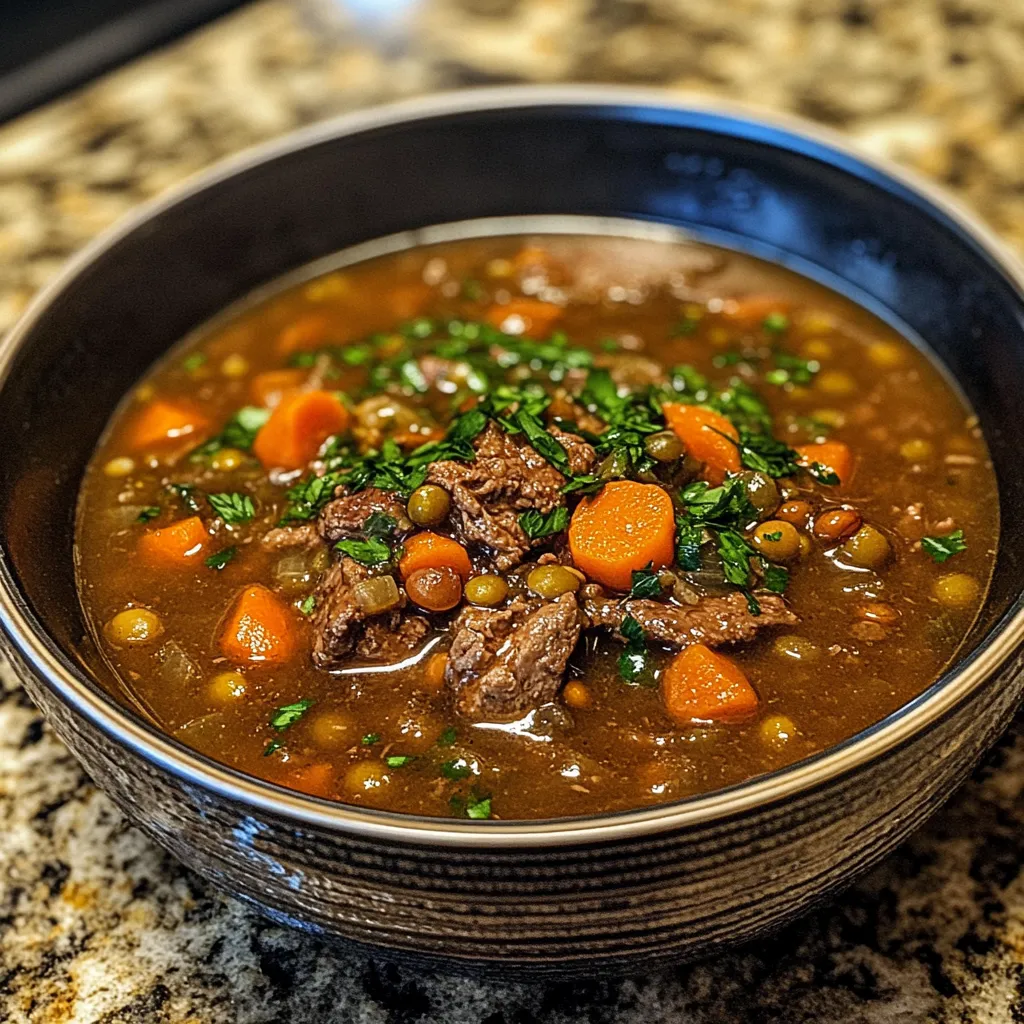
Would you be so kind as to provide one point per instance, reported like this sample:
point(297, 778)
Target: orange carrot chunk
point(626, 526)
point(306, 332)
point(701, 431)
point(432, 551)
point(180, 544)
point(161, 421)
point(269, 388)
point(314, 779)
point(259, 627)
point(699, 684)
point(297, 427)
point(833, 455)
point(537, 317)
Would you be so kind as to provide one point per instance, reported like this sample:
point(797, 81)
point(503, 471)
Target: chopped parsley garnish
point(370, 738)
point(823, 474)
point(689, 538)
point(478, 808)
point(233, 507)
point(185, 493)
point(284, 718)
point(308, 604)
point(645, 583)
point(477, 805)
point(536, 524)
point(456, 769)
point(192, 363)
point(147, 513)
point(765, 454)
point(775, 323)
point(791, 369)
point(380, 525)
point(774, 536)
point(239, 432)
point(633, 667)
point(370, 552)
point(220, 558)
point(941, 549)
point(399, 760)
point(447, 737)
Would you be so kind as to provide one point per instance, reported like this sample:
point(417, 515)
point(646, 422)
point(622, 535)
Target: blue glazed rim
point(84, 697)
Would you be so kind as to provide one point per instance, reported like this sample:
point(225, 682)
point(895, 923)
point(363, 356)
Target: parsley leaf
point(220, 558)
point(447, 738)
point(308, 604)
point(823, 474)
point(736, 553)
point(765, 454)
point(940, 549)
point(645, 583)
point(541, 441)
point(399, 760)
point(633, 667)
point(380, 525)
point(536, 525)
point(185, 493)
point(370, 738)
point(232, 508)
point(239, 432)
point(478, 808)
point(148, 513)
point(367, 552)
point(192, 363)
point(284, 718)
point(456, 769)
point(689, 538)
point(775, 323)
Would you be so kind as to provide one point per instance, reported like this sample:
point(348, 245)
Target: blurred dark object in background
point(50, 46)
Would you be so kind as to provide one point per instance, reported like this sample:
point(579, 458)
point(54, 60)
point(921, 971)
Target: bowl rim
point(203, 776)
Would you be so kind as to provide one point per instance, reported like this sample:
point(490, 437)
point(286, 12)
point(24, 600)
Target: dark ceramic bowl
point(621, 892)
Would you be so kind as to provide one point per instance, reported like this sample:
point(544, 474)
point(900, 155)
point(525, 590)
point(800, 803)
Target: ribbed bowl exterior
point(567, 911)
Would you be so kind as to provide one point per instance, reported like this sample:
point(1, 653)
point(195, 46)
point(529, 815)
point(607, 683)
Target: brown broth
point(922, 469)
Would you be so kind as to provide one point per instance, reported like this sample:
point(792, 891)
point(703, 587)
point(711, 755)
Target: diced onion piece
point(376, 595)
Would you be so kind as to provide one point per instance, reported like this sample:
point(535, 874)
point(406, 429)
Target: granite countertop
point(96, 922)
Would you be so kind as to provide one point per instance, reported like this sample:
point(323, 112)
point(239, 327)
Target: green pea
point(553, 581)
point(428, 505)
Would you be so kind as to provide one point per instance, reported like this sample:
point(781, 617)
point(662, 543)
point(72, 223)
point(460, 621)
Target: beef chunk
point(506, 478)
point(284, 538)
point(341, 627)
point(343, 518)
point(713, 620)
point(505, 661)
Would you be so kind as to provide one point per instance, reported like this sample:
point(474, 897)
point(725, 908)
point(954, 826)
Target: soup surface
point(532, 527)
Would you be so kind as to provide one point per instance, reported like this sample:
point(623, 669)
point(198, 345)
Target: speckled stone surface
point(96, 922)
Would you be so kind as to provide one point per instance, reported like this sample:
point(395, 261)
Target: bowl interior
point(723, 176)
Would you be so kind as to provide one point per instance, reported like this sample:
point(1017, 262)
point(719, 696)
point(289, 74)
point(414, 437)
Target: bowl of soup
point(533, 530)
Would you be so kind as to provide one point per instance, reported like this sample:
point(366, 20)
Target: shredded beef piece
point(505, 661)
point(340, 626)
point(343, 518)
point(285, 537)
point(383, 642)
point(506, 478)
point(713, 620)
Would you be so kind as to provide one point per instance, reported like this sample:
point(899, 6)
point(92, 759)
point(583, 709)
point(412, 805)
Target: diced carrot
point(309, 331)
point(832, 455)
point(701, 431)
point(161, 421)
point(432, 551)
point(538, 317)
point(259, 627)
point(699, 684)
point(315, 779)
point(407, 300)
point(180, 544)
point(752, 310)
point(298, 426)
point(626, 526)
point(270, 387)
